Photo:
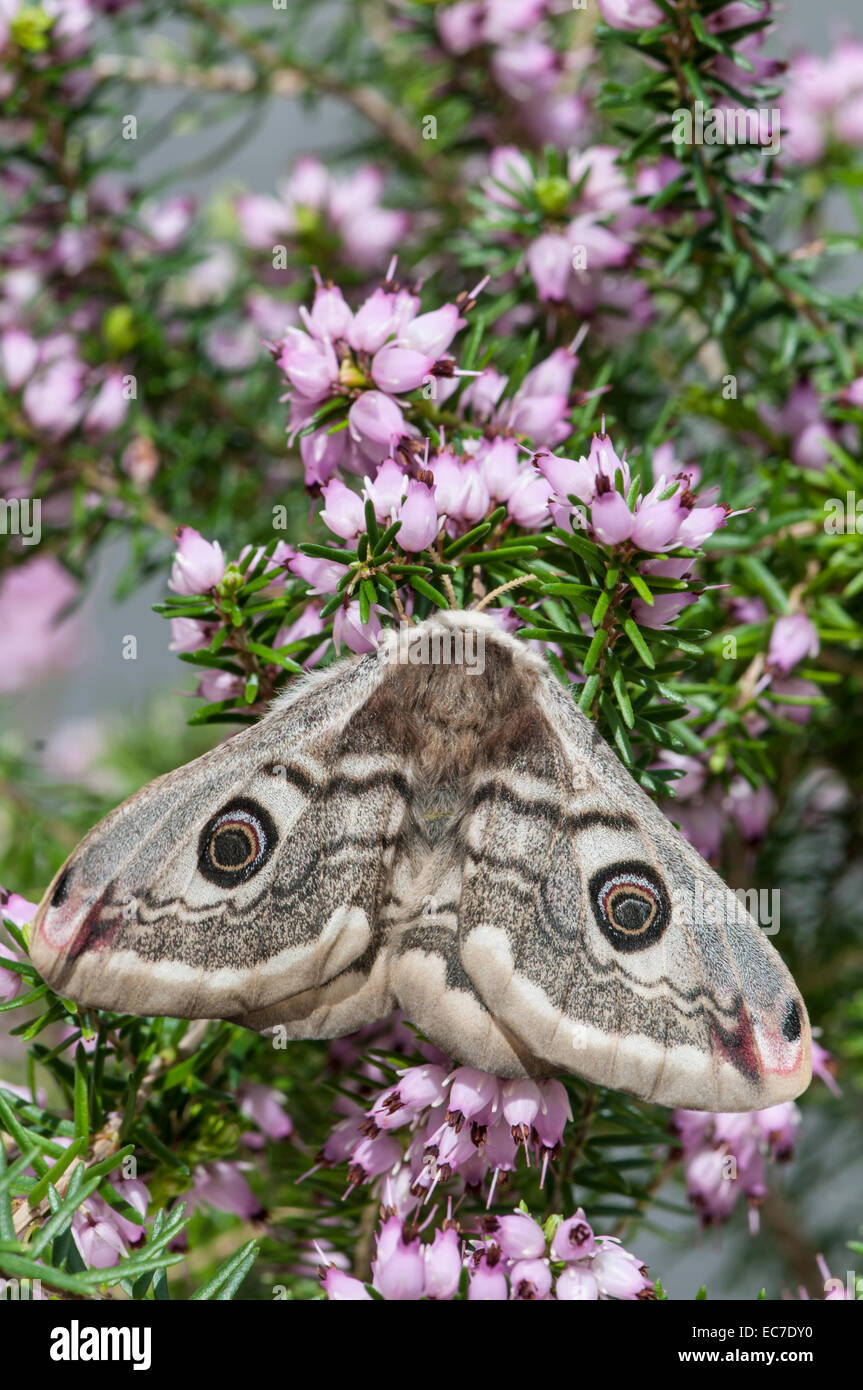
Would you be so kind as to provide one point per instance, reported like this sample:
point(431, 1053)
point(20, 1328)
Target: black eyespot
point(791, 1028)
point(236, 843)
point(630, 905)
point(62, 890)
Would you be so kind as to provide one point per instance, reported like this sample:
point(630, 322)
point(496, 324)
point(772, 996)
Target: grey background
point(733, 1264)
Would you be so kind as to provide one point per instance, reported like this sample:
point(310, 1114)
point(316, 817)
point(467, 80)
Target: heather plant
point(569, 331)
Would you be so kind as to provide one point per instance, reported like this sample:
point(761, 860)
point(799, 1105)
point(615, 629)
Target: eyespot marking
point(791, 1027)
point(236, 843)
point(630, 905)
point(61, 891)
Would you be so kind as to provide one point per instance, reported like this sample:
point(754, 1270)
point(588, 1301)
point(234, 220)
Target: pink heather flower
point(214, 686)
point(349, 206)
point(853, 394)
point(520, 1102)
point(549, 260)
point(525, 70)
point(750, 808)
point(264, 1106)
point(461, 491)
point(167, 223)
point(234, 349)
point(374, 420)
point(460, 26)
point(52, 398)
point(189, 635)
point(824, 1067)
point(701, 821)
point(619, 1274)
point(443, 1264)
point(419, 518)
point(330, 317)
point(554, 1112)
point(321, 454)
point(657, 522)
point(399, 369)
point(694, 772)
point(800, 418)
point(99, 1243)
point(793, 638)
point(33, 597)
point(568, 477)
point(631, 14)
point(16, 909)
point(398, 1267)
point(343, 511)
point(368, 231)
point(573, 1239)
point(665, 607)
point(222, 1185)
point(483, 393)
point(343, 1288)
point(102, 1235)
point(19, 354)
point(500, 462)
point(576, 1284)
point(387, 491)
point(823, 96)
point(348, 629)
point(110, 407)
point(605, 189)
point(376, 320)
point(310, 365)
point(198, 566)
point(528, 500)
point(19, 911)
point(797, 689)
point(322, 575)
point(308, 624)
point(519, 1237)
point(432, 333)
point(474, 1095)
point(725, 1156)
point(487, 1278)
point(530, 1279)
point(423, 1086)
point(611, 521)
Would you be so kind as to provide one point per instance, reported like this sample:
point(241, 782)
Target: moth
point(451, 837)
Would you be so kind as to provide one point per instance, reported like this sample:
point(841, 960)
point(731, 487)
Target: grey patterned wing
point(602, 941)
point(251, 884)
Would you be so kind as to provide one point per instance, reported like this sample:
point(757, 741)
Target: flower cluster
point(511, 42)
point(704, 807)
point(38, 635)
point(313, 205)
point(360, 364)
point(725, 1156)
point(509, 1257)
point(575, 230)
point(823, 100)
point(459, 1123)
